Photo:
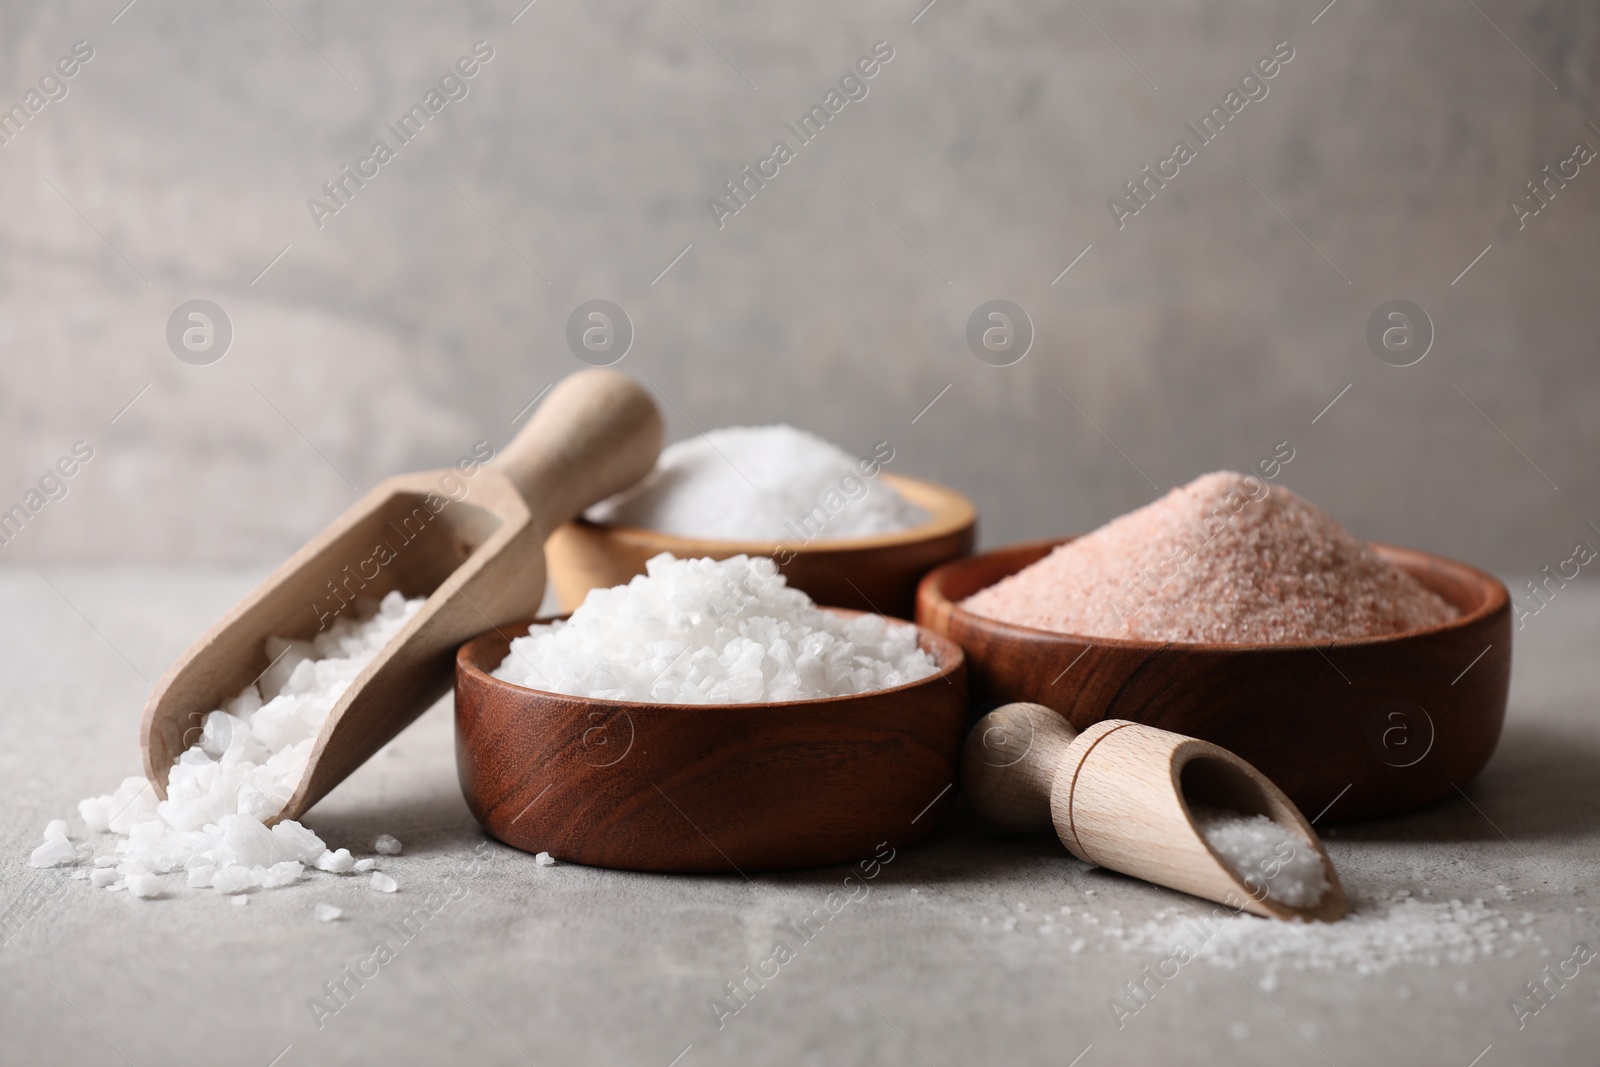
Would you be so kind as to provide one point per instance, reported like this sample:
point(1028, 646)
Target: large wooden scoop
point(472, 544)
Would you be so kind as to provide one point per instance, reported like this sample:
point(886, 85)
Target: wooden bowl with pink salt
point(1362, 679)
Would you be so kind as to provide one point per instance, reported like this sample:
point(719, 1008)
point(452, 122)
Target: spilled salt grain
point(386, 845)
point(247, 762)
point(327, 913)
point(544, 859)
point(55, 828)
point(1265, 854)
point(55, 852)
point(762, 483)
point(382, 883)
point(1224, 559)
point(336, 862)
point(101, 877)
point(144, 885)
point(361, 866)
point(1377, 935)
point(703, 631)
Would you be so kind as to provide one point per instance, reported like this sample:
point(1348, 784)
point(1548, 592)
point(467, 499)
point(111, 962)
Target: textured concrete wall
point(427, 312)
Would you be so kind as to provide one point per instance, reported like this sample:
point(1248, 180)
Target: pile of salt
point(246, 764)
point(703, 631)
point(762, 483)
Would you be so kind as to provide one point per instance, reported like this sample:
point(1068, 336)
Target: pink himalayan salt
point(1225, 559)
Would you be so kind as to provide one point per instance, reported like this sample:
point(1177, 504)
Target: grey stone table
point(957, 953)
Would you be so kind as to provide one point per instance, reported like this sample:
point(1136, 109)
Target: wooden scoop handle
point(597, 433)
point(1010, 763)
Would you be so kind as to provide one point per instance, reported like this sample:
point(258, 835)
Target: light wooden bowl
point(877, 573)
point(1360, 728)
point(714, 788)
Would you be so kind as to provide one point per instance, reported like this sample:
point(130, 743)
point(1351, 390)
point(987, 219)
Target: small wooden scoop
point(1118, 796)
point(477, 557)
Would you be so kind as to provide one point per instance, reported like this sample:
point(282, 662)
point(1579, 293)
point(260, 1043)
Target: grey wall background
point(431, 310)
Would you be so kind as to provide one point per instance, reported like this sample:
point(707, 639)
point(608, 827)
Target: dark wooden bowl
point(715, 788)
point(877, 573)
point(1380, 725)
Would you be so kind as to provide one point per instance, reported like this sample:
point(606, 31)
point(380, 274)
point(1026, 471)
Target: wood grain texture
point(877, 573)
point(711, 788)
point(479, 561)
point(1382, 725)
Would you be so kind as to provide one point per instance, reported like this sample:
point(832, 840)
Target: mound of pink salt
point(1224, 559)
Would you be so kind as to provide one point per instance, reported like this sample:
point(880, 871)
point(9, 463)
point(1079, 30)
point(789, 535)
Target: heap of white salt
point(761, 483)
point(246, 764)
point(1265, 854)
point(703, 631)
point(1224, 559)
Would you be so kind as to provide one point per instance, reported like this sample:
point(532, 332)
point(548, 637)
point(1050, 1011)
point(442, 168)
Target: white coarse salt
point(762, 483)
point(386, 845)
point(200, 877)
point(144, 885)
point(338, 862)
point(704, 631)
point(1265, 854)
point(247, 762)
point(100, 877)
point(56, 851)
point(382, 883)
point(327, 913)
point(363, 865)
point(55, 828)
point(544, 859)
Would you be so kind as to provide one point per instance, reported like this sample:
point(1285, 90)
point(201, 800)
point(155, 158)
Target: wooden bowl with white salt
point(1347, 729)
point(712, 788)
point(877, 573)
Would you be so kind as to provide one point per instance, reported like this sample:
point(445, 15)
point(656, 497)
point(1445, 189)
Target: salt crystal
point(55, 828)
point(101, 877)
point(336, 862)
point(105, 861)
point(144, 885)
point(703, 631)
point(327, 913)
point(761, 483)
point(80, 873)
point(1265, 854)
point(382, 883)
point(544, 859)
point(55, 852)
point(295, 842)
point(96, 814)
point(361, 866)
point(386, 845)
point(247, 762)
point(1223, 559)
point(232, 879)
point(280, 874)
point(200, 877)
